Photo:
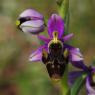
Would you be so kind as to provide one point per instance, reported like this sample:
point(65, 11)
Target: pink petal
point(43, 38)
point(68, 37)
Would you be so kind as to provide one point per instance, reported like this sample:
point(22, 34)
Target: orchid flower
point(55, 53)
point(31, 21)
point(56, 34)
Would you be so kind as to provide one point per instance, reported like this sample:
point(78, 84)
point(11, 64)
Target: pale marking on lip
point(52, 66)
point(58, 66)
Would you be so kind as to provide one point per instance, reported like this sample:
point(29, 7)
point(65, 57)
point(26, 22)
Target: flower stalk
point(63, 9)
point(64, 83)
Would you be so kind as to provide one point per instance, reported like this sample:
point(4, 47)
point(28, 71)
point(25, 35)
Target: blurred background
point(18, 76)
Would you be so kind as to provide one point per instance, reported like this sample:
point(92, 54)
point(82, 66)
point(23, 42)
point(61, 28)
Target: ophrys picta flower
point(55, 53)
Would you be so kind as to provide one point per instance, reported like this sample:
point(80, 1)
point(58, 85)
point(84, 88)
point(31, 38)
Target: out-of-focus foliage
point(17, 75)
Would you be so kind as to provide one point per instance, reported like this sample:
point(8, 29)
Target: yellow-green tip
point(17, 23)
point(93, 77)
point(55, 79)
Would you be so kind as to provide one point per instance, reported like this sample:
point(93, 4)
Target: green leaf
point(63, 83)
point(78, 84)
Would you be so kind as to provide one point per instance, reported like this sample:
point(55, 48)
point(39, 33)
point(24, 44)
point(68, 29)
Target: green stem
point(63, 10)
point(64, 83)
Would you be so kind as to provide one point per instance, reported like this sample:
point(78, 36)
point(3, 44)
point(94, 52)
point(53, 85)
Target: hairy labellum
point(55, 60)
point(55, 53)
point(55, 68)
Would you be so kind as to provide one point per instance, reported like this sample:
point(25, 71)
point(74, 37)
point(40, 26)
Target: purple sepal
point(31, 21)
point(80, 65)
point(33, 14)
point(90, 89)
point(76, 58)
point(37, 55)
point(56, 23)
point(32, 26)
point(75, 54)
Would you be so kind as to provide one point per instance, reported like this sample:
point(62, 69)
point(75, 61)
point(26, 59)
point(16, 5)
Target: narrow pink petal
point(68, 37)
point(43, 38)
point(36, 57)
